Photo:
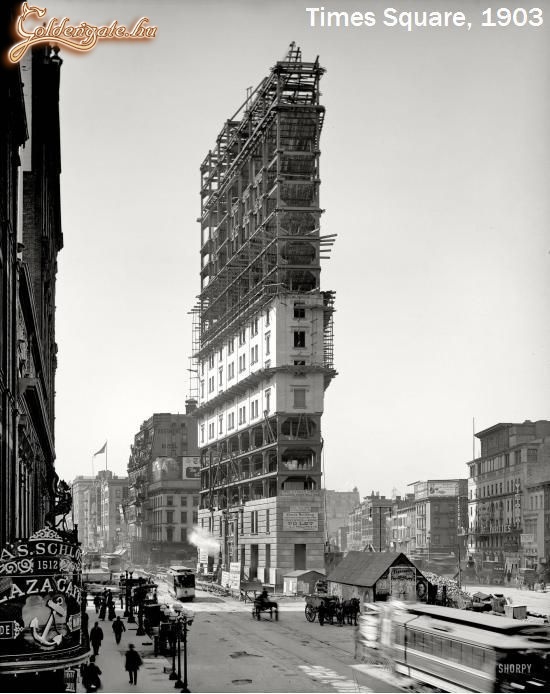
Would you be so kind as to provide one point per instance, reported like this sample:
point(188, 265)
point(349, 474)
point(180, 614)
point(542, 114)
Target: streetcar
point(454, 650)
point(180, 581)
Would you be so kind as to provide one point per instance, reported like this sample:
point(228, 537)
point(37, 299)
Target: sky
point(435, 177)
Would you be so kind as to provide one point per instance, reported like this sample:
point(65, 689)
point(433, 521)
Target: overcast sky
point(435, 176)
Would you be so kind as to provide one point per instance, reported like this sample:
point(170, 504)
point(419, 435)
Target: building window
point(195, 499)
point(195, 517)
point(299, 339)
point(169, 500)
point(242, 363)
point(169, 516)
point(183, 535)
point(211, 361)
point(254, 409)
point(169, 534)
point(231, 371)
point(220, 353)
point(242, 337)
point(254, 327)
point(211, 384)
point(220, 424)
point(211, 430)
point(268, 556)
point(268, 400)
point(254, 354)
point(183, 517)
point(299, 310)
point(267, 316)
point(231, 346)
point(183, 501)
point(202, 389)
point(231, 421)
point(299, 398)
point(242, 415)
point(202, 433)
point(531, 455)
point(267, 523)
point(254, 522)
point(268, 344)
point(202, 368)
point(220, 376)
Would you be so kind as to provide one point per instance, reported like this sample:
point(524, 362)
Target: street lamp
point(130, 600)
point(183, 623)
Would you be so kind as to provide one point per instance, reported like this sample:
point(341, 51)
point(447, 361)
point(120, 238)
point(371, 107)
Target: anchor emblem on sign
point(55, 608)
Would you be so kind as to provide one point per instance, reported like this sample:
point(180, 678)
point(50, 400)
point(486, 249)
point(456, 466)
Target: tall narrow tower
point(264, 330)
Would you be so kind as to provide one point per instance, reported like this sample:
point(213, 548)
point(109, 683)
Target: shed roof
point(303, 572)
point(365, 568)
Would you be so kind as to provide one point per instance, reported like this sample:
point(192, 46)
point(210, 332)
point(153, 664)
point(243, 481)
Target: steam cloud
point(203, 540)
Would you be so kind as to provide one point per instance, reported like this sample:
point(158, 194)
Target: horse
point(262, 605)
point(351, 609)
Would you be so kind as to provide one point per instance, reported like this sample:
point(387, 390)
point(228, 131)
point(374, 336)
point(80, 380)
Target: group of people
point(90, 672)
point(105, 605)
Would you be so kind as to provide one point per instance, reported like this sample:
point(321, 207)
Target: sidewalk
point(114, 678)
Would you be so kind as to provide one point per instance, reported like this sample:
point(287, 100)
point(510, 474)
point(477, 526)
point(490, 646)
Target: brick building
point(163, 481)
point(30, 239)
point(509, 497)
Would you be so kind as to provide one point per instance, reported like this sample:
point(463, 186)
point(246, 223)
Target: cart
point(313, 603)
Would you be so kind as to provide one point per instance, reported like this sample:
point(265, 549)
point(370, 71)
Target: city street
point(228, 651)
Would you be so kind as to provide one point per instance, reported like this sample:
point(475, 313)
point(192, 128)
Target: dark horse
point(351, 609)
point(263, 605)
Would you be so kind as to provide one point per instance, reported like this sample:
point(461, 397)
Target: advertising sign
point(403, 583)
point(191, 467)
point(41, 601)
point(235, 575)
point(527, 538)
point(300, 520)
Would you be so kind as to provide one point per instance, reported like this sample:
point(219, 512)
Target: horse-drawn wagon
point(330, 609)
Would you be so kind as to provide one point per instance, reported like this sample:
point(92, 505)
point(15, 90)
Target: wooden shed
point(301, 581)
point(375, 576)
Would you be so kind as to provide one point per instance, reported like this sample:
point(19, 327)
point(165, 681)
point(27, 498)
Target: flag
point(102, 449)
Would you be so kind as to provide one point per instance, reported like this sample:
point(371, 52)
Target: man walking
point(96, 637)
point(118, 628)
point(133, 663)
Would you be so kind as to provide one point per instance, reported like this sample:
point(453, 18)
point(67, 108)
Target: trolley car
point(456, 650)
point(180, 581)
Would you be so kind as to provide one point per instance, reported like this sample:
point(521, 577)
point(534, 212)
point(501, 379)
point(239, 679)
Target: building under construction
point(263, 330)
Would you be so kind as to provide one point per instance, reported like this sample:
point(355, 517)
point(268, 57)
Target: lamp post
point(130, 600)
point(173, 639)
point(184, 684)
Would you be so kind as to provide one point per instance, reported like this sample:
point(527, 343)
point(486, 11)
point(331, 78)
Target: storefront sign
point(300, 521)
point(527, 538)
point(41, 601)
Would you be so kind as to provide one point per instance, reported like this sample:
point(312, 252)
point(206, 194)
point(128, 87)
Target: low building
point(301, 582)
point(376, 576)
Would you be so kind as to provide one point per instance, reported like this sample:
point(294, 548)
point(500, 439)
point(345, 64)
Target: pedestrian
point(111, 610)
point(133, 663)
point(322, 612)
point(118, 628)
point(97, 603)
point(90, 676)
point(96, 637)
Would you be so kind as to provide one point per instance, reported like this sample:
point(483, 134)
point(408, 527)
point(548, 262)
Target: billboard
point(41, 603)
point(435, 488)
point(301, 520)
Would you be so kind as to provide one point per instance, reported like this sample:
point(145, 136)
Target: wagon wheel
point(310, 613)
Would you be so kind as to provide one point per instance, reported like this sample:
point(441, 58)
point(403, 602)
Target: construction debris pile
point(455, 595)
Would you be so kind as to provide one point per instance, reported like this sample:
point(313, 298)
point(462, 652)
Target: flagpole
point(106, 442)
